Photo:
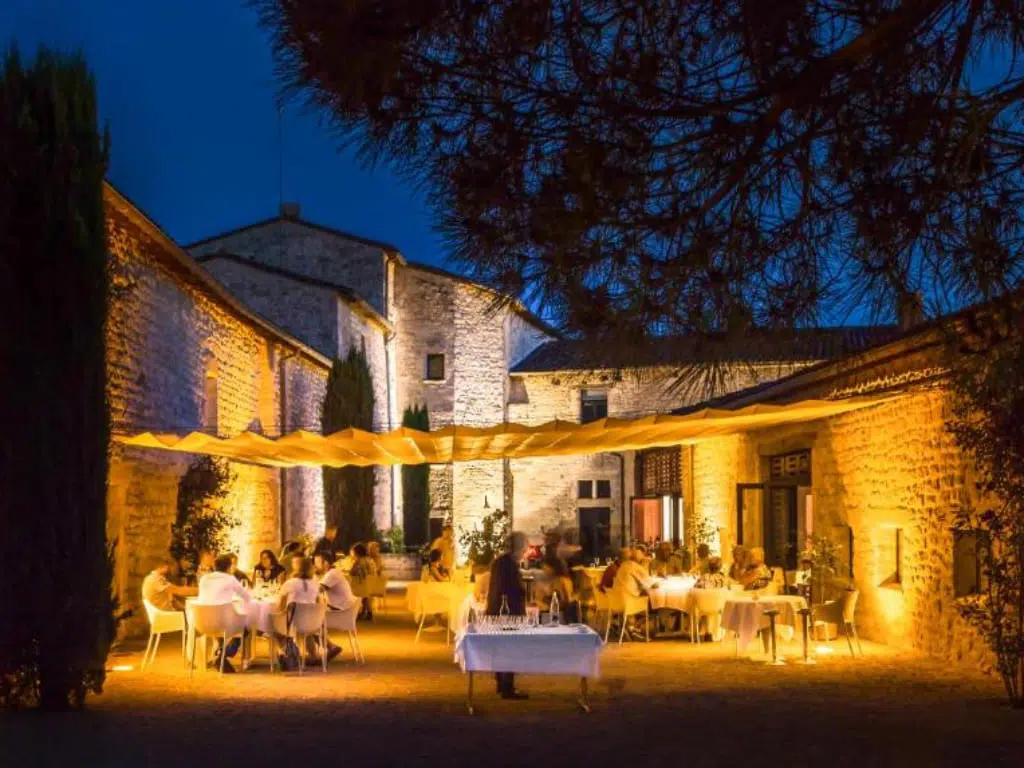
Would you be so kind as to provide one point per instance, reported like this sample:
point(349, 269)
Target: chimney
point(290, 211)
point(911, 310)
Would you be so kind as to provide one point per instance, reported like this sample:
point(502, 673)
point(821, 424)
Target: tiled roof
point(799, 345)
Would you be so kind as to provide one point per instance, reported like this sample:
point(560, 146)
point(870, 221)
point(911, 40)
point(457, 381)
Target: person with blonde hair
point(739, 562)
point(756, 575)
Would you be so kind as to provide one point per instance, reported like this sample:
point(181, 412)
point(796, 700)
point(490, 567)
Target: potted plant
point(486, 542)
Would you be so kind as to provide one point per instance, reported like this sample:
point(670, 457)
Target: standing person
point(362, 569)
point(505, 584)
point(446, 544)
point(158, 590)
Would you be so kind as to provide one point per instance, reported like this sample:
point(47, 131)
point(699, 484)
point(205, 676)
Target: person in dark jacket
point(506, 583)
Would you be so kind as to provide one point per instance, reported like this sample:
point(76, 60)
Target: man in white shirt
point(339, 595)
point(217, 588)
point(158, 590)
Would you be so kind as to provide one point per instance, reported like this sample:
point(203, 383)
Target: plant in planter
point(486, 542)
point(823, 555)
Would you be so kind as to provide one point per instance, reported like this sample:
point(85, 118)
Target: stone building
point(184, 355)
point(881, 482)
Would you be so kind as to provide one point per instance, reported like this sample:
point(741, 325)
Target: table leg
point(469, 696)
point(584, 700)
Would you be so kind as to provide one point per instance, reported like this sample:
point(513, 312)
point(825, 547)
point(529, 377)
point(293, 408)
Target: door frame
point(740, 488)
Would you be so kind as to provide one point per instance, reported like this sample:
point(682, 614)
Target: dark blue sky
point(187, 89)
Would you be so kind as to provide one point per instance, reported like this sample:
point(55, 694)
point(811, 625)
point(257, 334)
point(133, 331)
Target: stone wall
point(882, 468)
point(308, 312)
point(169, 338)
point(310, 251)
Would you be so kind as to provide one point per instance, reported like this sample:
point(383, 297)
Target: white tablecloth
point(673, 592)
point(257, 613)
point(745, 616)
point(563, 650)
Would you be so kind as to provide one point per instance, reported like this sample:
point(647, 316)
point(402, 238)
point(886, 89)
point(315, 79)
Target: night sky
point(187, 89)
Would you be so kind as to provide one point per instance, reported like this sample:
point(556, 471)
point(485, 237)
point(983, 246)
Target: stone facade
point(181, 357)
point(315, 252)
point(885, 471)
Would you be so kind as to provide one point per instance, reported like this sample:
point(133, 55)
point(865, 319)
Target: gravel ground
point(667, 702)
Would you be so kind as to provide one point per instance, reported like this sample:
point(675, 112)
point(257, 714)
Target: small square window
point(435, 367)
point(604, 489)
point(593, 405)
point(585, 489)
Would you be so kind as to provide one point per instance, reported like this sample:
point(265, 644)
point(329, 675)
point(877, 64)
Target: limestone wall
point(309, 251)
point(168, 337)
point(879, 469)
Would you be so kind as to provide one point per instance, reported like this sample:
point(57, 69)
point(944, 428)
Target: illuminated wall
point(172, 344)
point(886, 471)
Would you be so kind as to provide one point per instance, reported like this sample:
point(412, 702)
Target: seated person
point(556, 581)
point(218, 587)
point(739, 562)
point(268, 572)
point(362, 569)
point(703, 559)
point(338, 594)
point(373, 552)
point(660, 565)
point(301, 588)
point(324, 546)
point(756, 575)
point(289, 550)
point(240, 575)
point(205, 564)
point(608, 577)
point(434, 570)
point(713, 578)
point(161, 593)
point(633, 578)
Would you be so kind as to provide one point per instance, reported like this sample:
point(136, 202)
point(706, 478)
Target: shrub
point(201, 522)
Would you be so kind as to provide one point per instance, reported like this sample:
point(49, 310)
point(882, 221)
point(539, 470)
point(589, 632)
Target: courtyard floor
point(663, 703)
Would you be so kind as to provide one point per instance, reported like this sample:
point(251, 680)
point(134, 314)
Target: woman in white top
point(302, 587)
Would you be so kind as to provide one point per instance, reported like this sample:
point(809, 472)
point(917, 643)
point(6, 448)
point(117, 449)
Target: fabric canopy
point(354, 447)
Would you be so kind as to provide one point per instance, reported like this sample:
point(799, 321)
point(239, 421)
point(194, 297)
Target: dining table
point(745, 615)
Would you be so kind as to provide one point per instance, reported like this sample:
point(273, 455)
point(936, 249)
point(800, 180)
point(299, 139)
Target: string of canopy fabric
point(354, 447)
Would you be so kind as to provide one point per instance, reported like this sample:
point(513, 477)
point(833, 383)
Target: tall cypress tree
point(348, 491)
point(56, 603)
point(416, 484)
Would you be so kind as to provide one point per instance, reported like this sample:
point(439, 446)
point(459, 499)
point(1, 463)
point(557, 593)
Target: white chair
point(221, 621)
point(377, 591)
point(308, 621)
point(435, 598)
point(161, 623)
point(707, 604)
point(841, 612)
point(627, 605)
point(345, 621)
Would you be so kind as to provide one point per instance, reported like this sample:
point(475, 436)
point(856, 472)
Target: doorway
point(766, 517)
point(595, 531)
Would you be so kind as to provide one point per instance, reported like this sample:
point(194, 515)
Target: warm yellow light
point(122, 668)
point(823, 650)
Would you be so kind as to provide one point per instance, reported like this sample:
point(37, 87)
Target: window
point(585, 489)
point(210, 406)
point(435, 367)
point(968, 558)
point(890, 557)
point(604, 489)
point(593, 405)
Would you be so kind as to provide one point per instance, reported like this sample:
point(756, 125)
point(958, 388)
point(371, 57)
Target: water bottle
point(503, 611)
point(554, 616)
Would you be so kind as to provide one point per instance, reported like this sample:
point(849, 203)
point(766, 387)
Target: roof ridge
point(344, 234)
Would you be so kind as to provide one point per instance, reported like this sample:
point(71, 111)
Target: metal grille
point(790, 465)
point(661, 471)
